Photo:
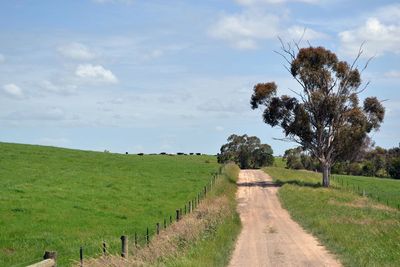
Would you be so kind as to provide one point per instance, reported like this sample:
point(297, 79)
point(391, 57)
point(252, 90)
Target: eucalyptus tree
point(325, 116)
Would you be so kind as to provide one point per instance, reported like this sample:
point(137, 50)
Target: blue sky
point(151, 76)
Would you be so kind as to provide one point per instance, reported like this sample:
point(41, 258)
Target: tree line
point(376, 162)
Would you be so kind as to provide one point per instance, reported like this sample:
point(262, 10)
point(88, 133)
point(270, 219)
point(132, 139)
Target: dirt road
point(269, 236)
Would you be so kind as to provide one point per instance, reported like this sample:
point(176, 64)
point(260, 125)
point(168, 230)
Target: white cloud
point(381, 34)
point(245, 29)
point(40, 114)
point(389, 13)
point(2, 58)
point(296, 32)
point(76, 51)
point(156, 53)
point(61, 89)
point(50, 87)
point(117, 101)
point(219, 128)
point(392, 74)
point(95, 73)
point(13, 91)
point(260, 2)
point(254, 24)
point(113, 1)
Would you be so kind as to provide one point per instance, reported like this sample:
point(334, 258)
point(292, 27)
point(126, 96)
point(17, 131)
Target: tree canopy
point(325, 117)
point(246, 151)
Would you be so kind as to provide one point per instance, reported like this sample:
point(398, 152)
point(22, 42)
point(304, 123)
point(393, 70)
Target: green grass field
point(360, 230)
point(61, 199)
point(384, 190)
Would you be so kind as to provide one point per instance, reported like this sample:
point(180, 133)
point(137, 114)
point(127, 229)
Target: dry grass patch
point(174, 240)
point(366, 221)
point(362, 202)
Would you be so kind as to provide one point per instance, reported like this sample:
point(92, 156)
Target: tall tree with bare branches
point(325, 117)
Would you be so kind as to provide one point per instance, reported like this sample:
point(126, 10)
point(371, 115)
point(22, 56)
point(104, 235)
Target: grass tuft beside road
point(360, 230)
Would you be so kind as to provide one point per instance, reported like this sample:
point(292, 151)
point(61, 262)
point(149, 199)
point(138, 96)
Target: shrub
point(394, 168)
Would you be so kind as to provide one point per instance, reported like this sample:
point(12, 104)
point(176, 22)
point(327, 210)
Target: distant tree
point(394, 152)
point(297, 158)
point(246, 151)
point(393, 162)
point(354, 169)
point(376, 158)
point(293, 158)
point(325, 117)
point(394, 167)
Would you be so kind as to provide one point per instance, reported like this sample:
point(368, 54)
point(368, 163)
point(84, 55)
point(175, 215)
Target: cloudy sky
point(151, 76)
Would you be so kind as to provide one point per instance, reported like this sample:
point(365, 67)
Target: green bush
point(394, 168)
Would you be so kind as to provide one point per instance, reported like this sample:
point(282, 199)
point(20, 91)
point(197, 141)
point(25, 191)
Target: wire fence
point(137, 239)
point(345, 184)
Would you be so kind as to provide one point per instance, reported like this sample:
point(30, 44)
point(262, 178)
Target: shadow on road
point(259, 184)
point(299, 183)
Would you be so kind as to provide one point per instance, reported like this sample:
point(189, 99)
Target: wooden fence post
point(177, 215)
point(81, 256)
point(124, 250)
point(147, 236)
point(136, 241)
point(104, 248)
point(158, 228)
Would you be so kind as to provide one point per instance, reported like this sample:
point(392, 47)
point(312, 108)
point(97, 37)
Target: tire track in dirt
point(269, 236)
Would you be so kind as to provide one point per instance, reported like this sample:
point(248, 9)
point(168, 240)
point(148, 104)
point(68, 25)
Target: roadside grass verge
point(359, 230)
point(386, 191)
point(61, 199)
point(205, 237)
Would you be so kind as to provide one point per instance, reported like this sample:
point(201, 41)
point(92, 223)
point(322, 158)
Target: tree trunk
point(325, 175)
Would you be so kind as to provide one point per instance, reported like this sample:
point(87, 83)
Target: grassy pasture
point(360, 230)
point(61, 199)
point(384, 190)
